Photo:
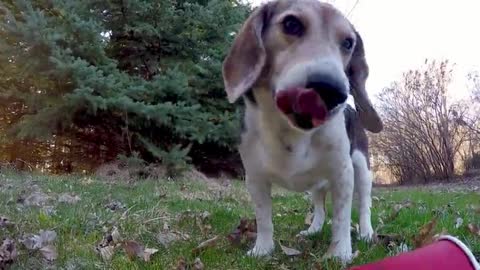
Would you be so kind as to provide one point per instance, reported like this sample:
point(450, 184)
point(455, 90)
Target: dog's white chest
point(298, 167)
point(293, 159)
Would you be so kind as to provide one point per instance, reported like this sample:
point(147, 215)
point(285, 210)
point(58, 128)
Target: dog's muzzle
point(332, 91)
point(309, 106)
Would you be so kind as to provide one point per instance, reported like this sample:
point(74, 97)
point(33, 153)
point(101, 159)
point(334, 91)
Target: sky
point(399, 34)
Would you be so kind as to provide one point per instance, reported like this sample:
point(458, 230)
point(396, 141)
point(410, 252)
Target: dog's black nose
point(331, 90)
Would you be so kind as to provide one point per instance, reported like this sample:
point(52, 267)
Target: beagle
point(294, 63)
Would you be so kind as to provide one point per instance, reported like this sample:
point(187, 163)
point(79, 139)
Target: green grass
point(150, 205)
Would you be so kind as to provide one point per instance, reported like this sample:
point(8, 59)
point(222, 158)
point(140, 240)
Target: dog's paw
point(366, 234)
point(343, 253)
point(261, 249)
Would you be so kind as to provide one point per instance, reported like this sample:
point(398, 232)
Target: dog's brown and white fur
point(266, 59)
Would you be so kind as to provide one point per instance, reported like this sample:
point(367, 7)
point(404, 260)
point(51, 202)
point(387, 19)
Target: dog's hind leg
point(363, 188)
point(318, 200)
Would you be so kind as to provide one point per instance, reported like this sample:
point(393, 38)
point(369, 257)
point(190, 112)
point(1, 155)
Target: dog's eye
point(347, 44)
point(292, 26)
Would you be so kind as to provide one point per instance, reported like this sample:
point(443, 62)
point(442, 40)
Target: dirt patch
point(456, 185)
point(119, 171)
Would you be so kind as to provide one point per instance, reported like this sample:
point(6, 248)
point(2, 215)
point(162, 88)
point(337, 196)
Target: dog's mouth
point(303, 107)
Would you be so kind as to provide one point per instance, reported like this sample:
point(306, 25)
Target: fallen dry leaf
point(395, 249)
point(148, 252)
point(49, 252)
point(181, 264)
point(8, 253)
point(31, 242)
point(5, 222)
point(247, 229)
point(206, 244)
point(474, 229)
point(106, 252)
point(42, 242)
point(133, 249)
point(165, 238)
point(48, 236)
point(37, 198)
point(197, 264)
point(116, 236)
point(68, 198)
point(38, 241)
point(426, 234)
point(458, 222)
point(106, 247)
point(386, 240)
point(115, 205)
point(290, 251)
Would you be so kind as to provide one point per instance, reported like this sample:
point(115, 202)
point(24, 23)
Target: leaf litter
point(167, 236)
point(113, 240)
point(108, 244)
point(115, 205)
point(36, 198)
point(134, 249)
point(5, 222)
point(8, 253)
point(206, 244)
point(290, 251)
point(245, 231)
point(474, 229)
point(183, 265)
point(426, 235)
point(42, 242)
point(68, 198)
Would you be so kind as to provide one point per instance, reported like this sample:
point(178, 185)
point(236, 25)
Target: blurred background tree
point(84, 82)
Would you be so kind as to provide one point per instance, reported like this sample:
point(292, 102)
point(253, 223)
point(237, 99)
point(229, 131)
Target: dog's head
point(308, 54)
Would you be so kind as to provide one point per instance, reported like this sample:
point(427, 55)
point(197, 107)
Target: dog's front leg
point(260, 191)
point(342, 195)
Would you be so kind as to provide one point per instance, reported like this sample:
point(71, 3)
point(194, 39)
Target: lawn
point(92, 224)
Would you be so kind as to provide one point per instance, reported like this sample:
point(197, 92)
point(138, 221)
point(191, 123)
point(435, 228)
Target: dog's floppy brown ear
point(246, 58)
point(357, 74)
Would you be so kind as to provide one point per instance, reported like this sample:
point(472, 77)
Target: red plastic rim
point(465, 249)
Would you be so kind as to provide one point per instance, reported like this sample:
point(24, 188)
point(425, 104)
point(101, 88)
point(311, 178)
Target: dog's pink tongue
point(304, 102)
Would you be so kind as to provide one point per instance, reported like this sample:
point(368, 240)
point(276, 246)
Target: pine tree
point(120, 77)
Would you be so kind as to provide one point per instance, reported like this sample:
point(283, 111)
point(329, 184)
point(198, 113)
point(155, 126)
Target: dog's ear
point(246, 58)
point(357, 74)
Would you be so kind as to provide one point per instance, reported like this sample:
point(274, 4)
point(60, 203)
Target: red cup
point(447, 253)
